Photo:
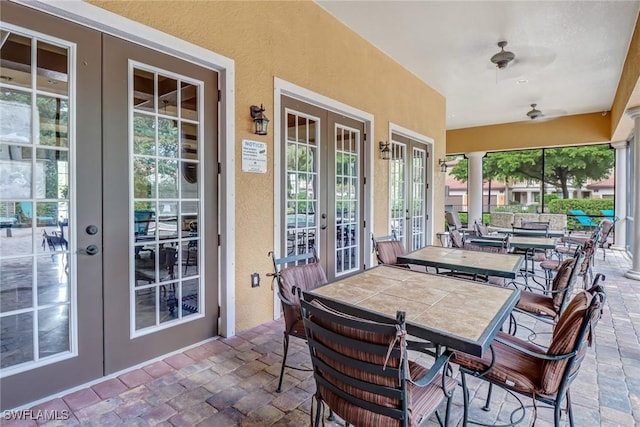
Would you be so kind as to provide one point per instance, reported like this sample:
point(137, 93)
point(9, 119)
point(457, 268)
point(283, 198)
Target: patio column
point(634, 273)
point(474, 186)
point(620, 234)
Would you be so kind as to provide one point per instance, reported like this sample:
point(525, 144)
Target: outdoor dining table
point(453, 313)
point(466, 261)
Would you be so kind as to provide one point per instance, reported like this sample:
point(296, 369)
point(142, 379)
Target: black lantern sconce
point(260, 121)
point(443, 165)
point(385, 152)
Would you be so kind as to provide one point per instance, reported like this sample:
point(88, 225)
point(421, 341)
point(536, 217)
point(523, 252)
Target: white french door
point(323, 186)
point(408, 191)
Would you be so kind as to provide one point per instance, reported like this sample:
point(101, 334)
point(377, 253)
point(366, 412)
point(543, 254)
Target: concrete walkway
point(232, 381)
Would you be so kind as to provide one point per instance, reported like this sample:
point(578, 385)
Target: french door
point(323, 186)
point(51, 293)
point(158, 136)
point(105, 218)
point(408, 191)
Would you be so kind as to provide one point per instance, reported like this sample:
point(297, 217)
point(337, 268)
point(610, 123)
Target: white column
point(620, 233)
point(529, 197)
point(474, 186)
point(634, 273)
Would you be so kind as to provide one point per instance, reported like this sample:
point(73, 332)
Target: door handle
point(324, 217)
point(89, 250)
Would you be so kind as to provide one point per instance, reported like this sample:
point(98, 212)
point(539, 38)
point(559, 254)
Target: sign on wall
point(254, 156)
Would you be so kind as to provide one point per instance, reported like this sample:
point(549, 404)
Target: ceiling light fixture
point(504, 57)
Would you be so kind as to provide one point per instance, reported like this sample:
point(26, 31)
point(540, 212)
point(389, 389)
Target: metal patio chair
point(294, 274)
point(363, 374)
point(542, 374)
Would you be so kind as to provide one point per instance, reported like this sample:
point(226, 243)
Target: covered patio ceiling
point(578, 61)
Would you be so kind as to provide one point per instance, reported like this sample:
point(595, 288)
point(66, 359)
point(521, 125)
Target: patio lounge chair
point(584, 219)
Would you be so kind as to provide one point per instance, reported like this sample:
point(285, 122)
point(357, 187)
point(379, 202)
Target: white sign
point(254, 156)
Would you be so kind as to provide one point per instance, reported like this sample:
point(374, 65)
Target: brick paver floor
point(232, 381)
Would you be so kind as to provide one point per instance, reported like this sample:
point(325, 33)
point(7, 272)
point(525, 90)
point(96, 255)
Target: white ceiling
point(569, 54)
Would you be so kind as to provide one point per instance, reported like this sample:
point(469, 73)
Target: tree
point(562, 166)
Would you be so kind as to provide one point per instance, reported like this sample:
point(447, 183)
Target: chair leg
point(569, 408)
point(487, 403)
point(318, 411)
point(465, 398)
point(284, 361)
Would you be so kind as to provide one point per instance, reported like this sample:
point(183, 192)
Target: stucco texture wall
point(299, 42)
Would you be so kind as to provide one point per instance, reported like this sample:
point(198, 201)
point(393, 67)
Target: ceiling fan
point(534, 113)
point(504, 57)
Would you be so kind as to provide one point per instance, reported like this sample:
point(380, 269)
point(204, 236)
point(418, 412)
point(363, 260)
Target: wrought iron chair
point(363, 374)
point(547, 305)
point(294, 274)
point(496, 245)
point(586, 267)
point(543, 374)
point(388, 248)
point(454, 222)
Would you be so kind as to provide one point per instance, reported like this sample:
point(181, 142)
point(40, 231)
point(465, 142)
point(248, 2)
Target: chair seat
point(425, 400)
point(550, 264)
point(536, 303)
point(517, 370)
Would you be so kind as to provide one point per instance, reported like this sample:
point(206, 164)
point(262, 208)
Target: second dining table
point(466, 261)
point(454, 313)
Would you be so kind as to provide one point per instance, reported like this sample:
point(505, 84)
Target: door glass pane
point(15, 67)
point(53, 330)
point(189, 101)
point(53, 68)
point(54, 121)
point(347, 183)
point(167, 95)
point(36, 287)
point(167, 205)
point(16, 334)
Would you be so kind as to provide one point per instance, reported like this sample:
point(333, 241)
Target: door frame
point(119, 26)
point(285, 88)
point(429, 174)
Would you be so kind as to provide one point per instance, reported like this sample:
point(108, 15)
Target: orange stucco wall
point(562, 131)
point(299, 42)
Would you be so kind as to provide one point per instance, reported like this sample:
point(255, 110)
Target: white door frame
point(111, 23)
point(285, 88)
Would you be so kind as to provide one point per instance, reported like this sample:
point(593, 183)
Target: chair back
point(571, 336)
point(293, 275)
point(480, 229)
point(360, 366)
point(453, 220)
point(535, 225)
point(387, 251)
point(606, 227)
point(457, 241)
point(562, 283)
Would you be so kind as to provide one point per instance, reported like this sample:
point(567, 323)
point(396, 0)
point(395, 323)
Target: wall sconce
point(385, 152)
point(259, 119)
point(443, 165)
